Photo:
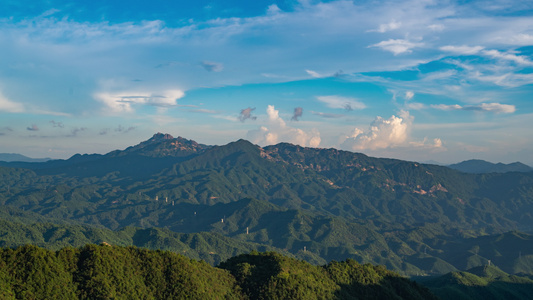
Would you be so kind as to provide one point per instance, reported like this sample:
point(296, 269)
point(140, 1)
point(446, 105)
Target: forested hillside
point(112, 272)
point(316, 204)
point(483, 282)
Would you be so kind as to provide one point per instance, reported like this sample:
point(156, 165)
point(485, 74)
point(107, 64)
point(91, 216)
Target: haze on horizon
point(417, 80)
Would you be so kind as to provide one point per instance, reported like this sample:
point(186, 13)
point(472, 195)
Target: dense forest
point(113, 272)
point(483, 282)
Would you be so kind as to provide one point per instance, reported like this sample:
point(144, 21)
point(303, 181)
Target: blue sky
point(417, 80)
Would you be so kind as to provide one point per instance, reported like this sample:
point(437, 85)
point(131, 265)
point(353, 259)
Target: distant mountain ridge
point(478, 166)
point(8, 157)
point(141, 160)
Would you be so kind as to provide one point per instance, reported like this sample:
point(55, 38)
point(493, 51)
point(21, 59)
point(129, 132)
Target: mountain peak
point(160, 137)
point(164, 144)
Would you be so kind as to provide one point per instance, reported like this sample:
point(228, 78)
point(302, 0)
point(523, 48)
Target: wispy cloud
point(336, 74)
point(327, 115)
point(10, 106)
point(204, 111)
point(346, 103)
point(211, 66)
point(387, 27)
point(519, 59)
point(397, 46)
point(314, 74)
point(520, 39)
point(126, 101)
point(462, 50)
point(308, 26)
point(415, 106)
point(486, 107)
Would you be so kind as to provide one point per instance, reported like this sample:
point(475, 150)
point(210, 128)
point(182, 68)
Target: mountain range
point(315, 204)
point(481, 166)
point(19, 157)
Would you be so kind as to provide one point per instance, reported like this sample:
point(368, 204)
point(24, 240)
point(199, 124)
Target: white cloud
point(125, 101)
point(49, 12)
point(425, 144)
point(436, 27)
point(438, 75)
point(388, 133)
point(522, 39)
point(508, 79)
point(387, 27)
point(276, 130)
point(437, 143)
point(488, 107)
point(397, 46)
point(447, 107)
point(346, 103)
point(415, 105)
point(496, 107)
point(10, 106)
point(462, 50)
point(519, 59)
point(313, 73)
point(383, 133)
point(280, 42)
point(408, 105)
point(273, 9)
point(273, 116)
point(113, 50)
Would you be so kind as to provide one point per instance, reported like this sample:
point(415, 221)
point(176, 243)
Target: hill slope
point(484, 282)
point(111, 272)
